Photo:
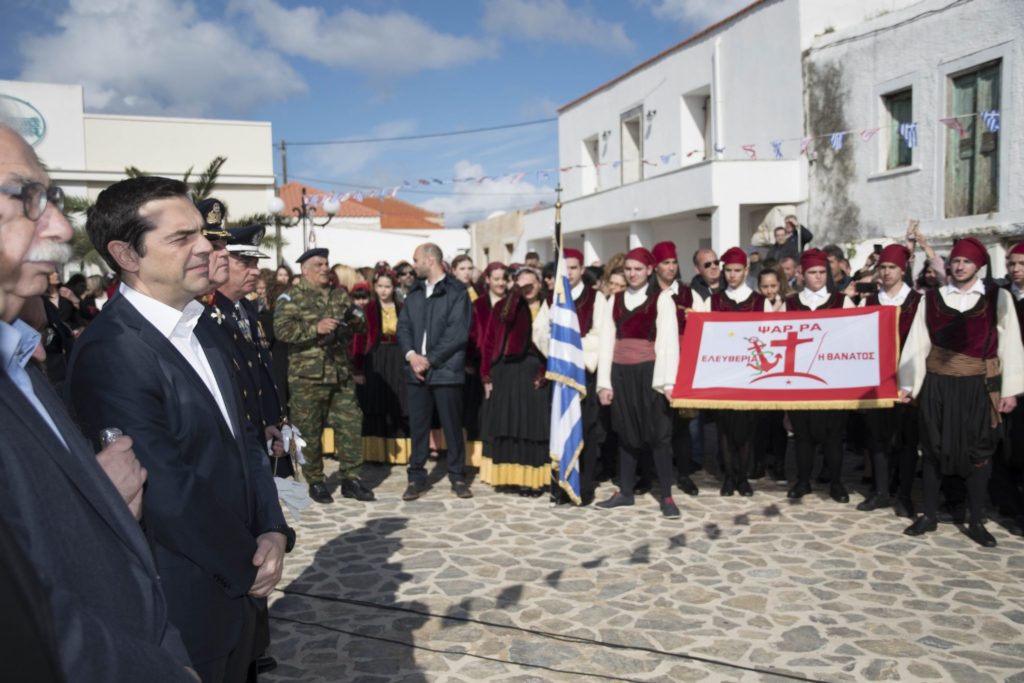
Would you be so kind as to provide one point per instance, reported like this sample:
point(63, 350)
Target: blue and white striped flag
point(836, 140)
point(991, 119)
point(569, 385)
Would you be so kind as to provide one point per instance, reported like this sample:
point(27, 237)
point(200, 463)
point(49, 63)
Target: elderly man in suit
point(71, 518)
point(154, 365)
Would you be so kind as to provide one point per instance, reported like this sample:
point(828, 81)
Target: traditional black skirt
point(518, 427)
point(473, 409)
point(385, 419)
point(641, 417)
point(955, 417)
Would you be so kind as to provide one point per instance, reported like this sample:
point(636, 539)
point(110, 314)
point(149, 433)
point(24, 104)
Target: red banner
point(833, 359)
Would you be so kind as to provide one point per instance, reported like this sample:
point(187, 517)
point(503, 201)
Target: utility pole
point(284, 181)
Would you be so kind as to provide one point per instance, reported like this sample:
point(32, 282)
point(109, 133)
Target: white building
point(87, 152)
point(929, 61)
point(665, 150)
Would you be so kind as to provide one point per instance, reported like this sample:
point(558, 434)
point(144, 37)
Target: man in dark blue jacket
point(433, 329)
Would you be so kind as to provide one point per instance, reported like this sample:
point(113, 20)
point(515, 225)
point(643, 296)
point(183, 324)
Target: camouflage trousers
point(314, 406)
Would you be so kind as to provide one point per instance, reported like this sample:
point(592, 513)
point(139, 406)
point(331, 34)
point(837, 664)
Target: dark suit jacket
point(445, 318)
point(209, 494)
point(91, 556)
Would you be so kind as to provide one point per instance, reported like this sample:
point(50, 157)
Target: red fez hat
point(1017, 249)
point(970, 248)
point(734, 255)
point(896, 254)
point(812, 258)
point(642, 255)
point(574, 253)
point(493, 266)
point(361, 287)
point(663, 251)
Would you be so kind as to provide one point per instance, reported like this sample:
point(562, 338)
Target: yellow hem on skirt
point(511, 474)
point(474, 454)
point(387, 450)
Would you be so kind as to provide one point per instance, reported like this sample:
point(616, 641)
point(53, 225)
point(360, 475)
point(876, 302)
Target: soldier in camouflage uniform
point(308, 317)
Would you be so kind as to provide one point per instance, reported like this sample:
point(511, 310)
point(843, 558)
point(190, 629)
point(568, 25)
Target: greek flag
point(836, 140)
point(991, 119)
point(569, 386)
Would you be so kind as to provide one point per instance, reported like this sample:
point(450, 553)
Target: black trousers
point(681, 445)
point(238, 666)
point(811, 427)
point(770, 441)
point(976, 485)
point(422, 399)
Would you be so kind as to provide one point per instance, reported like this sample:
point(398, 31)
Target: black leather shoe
point(412, 492)
point(727, 487)
point(744, 488)
point(903, 508)
point(838, 493)
point(922, 525)
point(353, 488)
point(617, 500)
point(799, 490)
point(461, 489)
point(586, 498)
point(980, 535)
point(669, 508)
point(687, 486)
point(875, 502)
point(265, 664)
point(319, 493)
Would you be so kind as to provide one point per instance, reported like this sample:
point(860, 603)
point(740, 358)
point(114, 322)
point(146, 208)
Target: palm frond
point(134, 172)
point(202, 188)
point(76, 204)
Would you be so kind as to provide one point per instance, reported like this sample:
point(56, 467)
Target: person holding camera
point(317, 322)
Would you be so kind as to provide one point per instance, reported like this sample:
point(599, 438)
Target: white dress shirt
point(18, 341)
point(901, 296)
point(179, 329)
point(814, 300)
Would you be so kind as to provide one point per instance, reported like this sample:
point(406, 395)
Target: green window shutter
point(972, 160)
point(901, 110)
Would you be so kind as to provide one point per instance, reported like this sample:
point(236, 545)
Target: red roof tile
point(291, 195)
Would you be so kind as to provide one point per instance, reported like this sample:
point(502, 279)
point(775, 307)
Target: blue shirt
point(17, 342)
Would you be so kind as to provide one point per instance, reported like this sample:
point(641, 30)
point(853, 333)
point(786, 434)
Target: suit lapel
point(166, 350)
point(76, 463)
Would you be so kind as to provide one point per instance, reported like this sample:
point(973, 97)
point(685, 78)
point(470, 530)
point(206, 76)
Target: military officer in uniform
point(250, 351)
point(313, 319)
point(214, 213)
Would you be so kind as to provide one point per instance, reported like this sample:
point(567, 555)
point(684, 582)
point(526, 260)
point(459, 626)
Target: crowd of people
point(147, 413)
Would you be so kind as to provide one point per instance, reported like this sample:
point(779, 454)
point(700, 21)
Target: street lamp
point(302, 214)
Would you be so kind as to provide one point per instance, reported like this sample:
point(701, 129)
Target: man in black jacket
point(433, 329)
point(155, 365)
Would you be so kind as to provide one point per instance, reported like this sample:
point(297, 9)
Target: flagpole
point(558, 224)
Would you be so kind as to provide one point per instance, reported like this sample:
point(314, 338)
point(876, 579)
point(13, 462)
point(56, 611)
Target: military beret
point(213, 212)
point(310, 253)
point(245, 240)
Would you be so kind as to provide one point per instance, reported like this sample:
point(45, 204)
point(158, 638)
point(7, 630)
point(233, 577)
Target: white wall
point(921, 54)
point(359, 245)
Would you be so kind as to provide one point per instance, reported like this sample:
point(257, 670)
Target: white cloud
point(475, 200)
point(701, 12)
point(555, 21)
point(156, 57)
point(388, 43)
point(338, 161)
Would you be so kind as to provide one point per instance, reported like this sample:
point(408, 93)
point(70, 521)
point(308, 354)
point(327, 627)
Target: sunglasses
point(35, 197)
point(708, 264)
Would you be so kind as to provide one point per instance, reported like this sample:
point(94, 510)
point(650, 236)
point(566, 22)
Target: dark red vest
point(642, 321)
point(585, 309)
point(684, 302)
point(793, 303)
point(1019, 305)
point(972, 333)
point(908, 309)
point(721, 303)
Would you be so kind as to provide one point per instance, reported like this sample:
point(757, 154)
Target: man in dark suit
point(67, 515)
point(154, 365)
point(433, 329)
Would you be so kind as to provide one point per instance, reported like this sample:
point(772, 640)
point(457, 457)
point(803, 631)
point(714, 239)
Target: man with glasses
point(708, 279)
point(406, 277)
point(72, 511)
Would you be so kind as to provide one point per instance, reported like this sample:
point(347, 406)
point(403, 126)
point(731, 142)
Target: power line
point(405, 190)
point(424, 136)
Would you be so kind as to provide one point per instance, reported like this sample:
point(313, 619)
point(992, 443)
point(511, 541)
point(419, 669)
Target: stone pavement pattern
point(816, 590)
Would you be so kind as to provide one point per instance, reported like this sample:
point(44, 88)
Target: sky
point(324, 71)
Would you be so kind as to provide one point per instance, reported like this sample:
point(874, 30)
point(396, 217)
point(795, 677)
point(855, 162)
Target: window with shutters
point(632, 146)
point(972, 151)
point(900, 109)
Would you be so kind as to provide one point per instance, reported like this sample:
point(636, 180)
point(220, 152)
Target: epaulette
point(285, 296)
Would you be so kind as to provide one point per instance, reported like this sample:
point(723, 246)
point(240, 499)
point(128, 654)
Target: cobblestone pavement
point(503, 588)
